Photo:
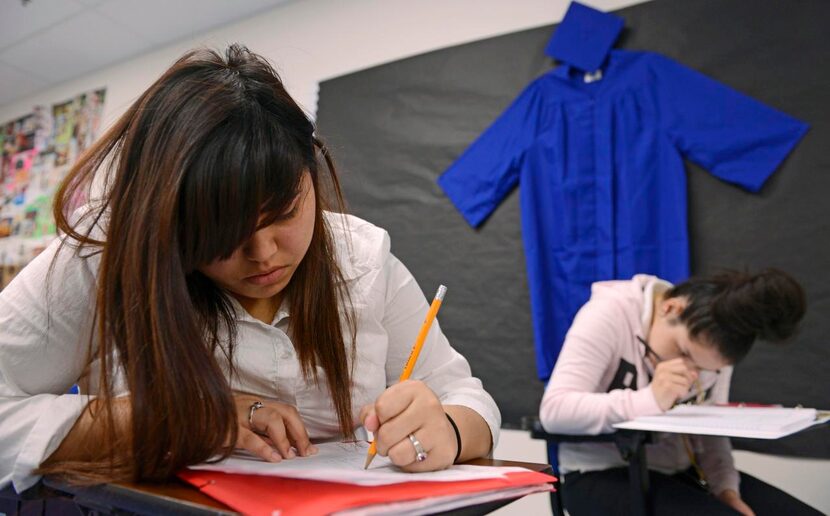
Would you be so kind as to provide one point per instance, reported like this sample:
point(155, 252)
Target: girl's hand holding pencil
point(408, 420)
point(411, 408)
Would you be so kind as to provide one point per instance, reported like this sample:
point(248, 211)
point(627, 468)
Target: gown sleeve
point(489, 169)
point(733, 136)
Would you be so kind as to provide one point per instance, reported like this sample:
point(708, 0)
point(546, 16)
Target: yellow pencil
point(413, 355)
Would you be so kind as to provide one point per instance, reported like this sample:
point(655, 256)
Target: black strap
point(457, 438)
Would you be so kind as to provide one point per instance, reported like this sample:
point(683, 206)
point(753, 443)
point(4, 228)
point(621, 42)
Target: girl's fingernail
point(291, 453)
point(275, 457)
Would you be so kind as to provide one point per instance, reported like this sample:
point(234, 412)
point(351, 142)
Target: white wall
point(314, 40)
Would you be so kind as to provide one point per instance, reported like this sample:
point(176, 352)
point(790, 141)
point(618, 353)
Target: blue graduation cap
point(584, 37)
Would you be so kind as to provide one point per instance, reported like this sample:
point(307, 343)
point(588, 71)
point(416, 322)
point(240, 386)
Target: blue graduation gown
point(603, 181)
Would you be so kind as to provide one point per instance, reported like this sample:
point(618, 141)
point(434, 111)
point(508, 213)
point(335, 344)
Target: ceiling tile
point(18, 21)
point(47, 42)
point(79, 45)
point(15, 83)
point(163, 21)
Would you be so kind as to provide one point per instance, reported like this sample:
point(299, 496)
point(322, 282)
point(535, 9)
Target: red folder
point(259, 494)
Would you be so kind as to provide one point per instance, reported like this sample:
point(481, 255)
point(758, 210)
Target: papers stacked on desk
point(749, 422)
point(334, 480)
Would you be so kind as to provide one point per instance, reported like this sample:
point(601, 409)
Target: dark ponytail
point(732, 309)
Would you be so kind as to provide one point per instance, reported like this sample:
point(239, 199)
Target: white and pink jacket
point(602, 378)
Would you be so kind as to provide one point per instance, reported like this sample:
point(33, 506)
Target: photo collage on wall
point(36, 152)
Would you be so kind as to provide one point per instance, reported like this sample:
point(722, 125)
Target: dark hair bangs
point(243, 177)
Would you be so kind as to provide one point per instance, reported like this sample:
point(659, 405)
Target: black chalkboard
point(394, 128)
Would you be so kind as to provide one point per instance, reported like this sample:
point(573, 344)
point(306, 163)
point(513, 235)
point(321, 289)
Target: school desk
point(53, 496)
point(631, 444)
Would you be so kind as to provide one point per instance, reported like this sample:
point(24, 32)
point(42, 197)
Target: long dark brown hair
point(212, 151)
point(733, 309)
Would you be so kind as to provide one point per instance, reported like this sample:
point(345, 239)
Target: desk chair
point(36, 500)
point(631, 445)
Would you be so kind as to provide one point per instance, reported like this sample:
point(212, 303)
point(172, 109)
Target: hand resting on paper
point(277, 431)
point(410, 407)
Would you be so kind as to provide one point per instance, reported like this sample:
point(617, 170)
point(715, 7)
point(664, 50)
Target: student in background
point(637, 348)
point(210, 300)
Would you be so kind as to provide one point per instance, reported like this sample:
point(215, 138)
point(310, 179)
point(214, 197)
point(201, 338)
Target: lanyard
point(700, 397)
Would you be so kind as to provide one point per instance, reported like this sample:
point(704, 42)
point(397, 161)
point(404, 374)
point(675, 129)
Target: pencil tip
point(368, 461)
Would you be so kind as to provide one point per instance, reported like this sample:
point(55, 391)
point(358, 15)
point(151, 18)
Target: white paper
point(439, 504)
point(751, 422)
point(343, 462)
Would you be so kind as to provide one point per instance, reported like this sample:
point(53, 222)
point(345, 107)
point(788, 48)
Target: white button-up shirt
point(46, 325)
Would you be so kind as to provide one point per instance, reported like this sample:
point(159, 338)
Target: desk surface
point(185, 499)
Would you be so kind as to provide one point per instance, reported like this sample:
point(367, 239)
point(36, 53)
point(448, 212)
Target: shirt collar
point(652, 288)
point(243, 315)
point(568, 72)
point(563, 71)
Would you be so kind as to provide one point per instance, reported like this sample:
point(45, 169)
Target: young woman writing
point(637, 348)
point(209, 299)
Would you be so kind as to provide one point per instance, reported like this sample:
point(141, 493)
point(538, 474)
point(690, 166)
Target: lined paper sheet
point(750, 422)
point(343, 462)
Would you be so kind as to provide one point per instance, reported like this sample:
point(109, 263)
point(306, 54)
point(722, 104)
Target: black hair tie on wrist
point(457, 438)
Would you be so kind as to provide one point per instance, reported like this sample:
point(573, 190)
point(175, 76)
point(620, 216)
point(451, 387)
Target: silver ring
point(420, 453)
point(254, 407)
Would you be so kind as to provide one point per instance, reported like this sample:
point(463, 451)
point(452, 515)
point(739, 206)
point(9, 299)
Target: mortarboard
point(584, 37)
